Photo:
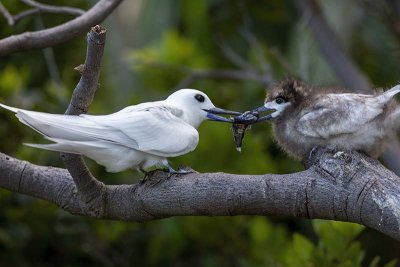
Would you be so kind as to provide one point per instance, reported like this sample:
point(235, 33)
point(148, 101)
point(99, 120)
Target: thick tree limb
point(344, 186)
point(58, 34)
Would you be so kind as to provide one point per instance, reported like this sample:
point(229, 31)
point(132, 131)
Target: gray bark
point(346, 186)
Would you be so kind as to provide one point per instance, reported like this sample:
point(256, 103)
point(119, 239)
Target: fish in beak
point(243, 121)
point(213, 114)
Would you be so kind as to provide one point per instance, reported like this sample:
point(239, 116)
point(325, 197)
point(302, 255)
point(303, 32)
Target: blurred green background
point(152, 47)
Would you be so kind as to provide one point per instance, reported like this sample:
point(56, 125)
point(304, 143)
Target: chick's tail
point(391, 92)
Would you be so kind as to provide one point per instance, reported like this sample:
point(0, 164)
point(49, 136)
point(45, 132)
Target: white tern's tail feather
point(59, 147)
point(54, 125)
point(68, 127)
point(101, 152)
point(15, 110)
point(61, 126)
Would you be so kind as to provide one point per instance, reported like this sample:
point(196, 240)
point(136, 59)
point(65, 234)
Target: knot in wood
point(339, 166)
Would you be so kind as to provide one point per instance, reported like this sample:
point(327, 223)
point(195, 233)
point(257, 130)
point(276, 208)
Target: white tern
point(138, 137)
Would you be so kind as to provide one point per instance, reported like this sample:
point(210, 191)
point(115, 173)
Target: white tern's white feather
point(139, 136)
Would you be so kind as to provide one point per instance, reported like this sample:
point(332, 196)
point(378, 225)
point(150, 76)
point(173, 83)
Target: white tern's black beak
point(212, 114)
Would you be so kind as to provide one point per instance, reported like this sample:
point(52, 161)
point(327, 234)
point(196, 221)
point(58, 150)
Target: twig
point(193, 75)
point(59, 34)
point(7, 15)
point(235, 58)
point(26, 13)
point(257, 48)
point(55, 9)
point(90, 190)
point(282, 61)
point(222, 74)
point(38, 7)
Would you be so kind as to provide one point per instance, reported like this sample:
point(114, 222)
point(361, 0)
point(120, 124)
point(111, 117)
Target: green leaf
point(391, 263)
point(303, 247)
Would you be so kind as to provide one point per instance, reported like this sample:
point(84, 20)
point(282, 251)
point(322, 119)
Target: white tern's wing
point(158, 129)
point(150, 127)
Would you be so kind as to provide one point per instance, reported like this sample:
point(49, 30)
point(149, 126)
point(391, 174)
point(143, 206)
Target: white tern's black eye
point(199, 97)
point(280, 100)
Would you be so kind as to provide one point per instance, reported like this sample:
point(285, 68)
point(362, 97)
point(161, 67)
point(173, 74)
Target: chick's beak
point(261, 109)
point(212, 114)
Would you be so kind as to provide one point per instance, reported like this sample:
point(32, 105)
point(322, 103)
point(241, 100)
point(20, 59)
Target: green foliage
point(173, 51)
point(11, 80)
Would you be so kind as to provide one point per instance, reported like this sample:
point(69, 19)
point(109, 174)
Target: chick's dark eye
point(199, 98)
point(280, 100)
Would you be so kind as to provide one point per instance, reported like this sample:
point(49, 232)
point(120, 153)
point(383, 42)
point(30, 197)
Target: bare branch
point(258, 50)
point(282, 60)
point(58, 34)
point(38, 8)
point(26, 13)
point(90, 190)
point(338, 186)
point(223, 74)
point(192, 75)
point(235, 58)
point(55, 9)
point(6, 14)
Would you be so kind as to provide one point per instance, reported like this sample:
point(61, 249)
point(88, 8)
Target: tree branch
point(242, 75)
point(343, 186)
point(193, 75)
point(26, 13)
point(58, 34)
point(6, 14)
point(55, 9)
point(90, 190)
